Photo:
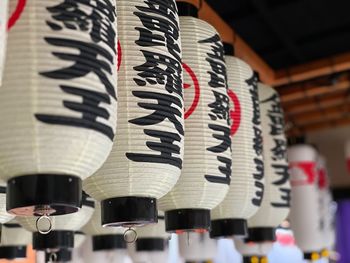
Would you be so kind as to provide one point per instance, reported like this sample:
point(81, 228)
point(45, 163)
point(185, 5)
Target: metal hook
point(53, 257)
point(43, 231)
point(126, 234)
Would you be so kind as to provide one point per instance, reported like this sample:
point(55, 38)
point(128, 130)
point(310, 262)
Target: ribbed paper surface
point(198, 247)
point(276, 202)
point(15, 236)
point(70, 222)
point(206, 172)
point(305, 207)
point(147, 154)
point(58, 99)
point(245, 194)
point(3, 34)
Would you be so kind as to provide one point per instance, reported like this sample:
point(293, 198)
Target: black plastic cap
point(186, 9)
point(229, 49)
point(261, 234)
point(53, 240)
point(108, 242)
point(62, 255)
point(228, 227)
point(129, 211)
point(150, 244)
point(13, 252)
point(32, 195)
point(184, 220)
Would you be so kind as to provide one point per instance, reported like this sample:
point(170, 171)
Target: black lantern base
point(261, 234)
point(150, 244)
point(184, 220)
point(108, 242)
point(129, 211)
point(228, 227)
point(35, 195)
point(62, 255)
point(13, 252)
point(54, 240)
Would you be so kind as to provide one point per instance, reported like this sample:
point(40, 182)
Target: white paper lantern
point(253, 252)
point(198, 247)
point(58, 102)
point(147, 154)
point(245, 194)
point(206, 172)
point(63, 227)
point(276, 201)
point(305, 210)
point(14, 241)
point(79, 239)
point(104, 238)
point(3, 34)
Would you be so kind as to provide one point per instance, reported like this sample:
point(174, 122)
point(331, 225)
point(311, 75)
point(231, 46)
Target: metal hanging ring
point(40, 219)
point(53, 257)
point(126, 234)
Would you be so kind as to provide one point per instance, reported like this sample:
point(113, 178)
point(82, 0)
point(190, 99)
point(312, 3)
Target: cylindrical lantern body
point(305, 215)
point(63, 227)
point(276, 201)
point(198, 247)
point(14, 241)
point(4, 216)
point(147, 154)
point(246, 191)
point(3, 34)
point(58, 102)
point(103, 238)
point(206, 172)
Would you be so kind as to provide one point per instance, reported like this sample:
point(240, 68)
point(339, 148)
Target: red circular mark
point(285, 239)
point(16, 13)
point(120, 54)
point(235, 113)
point(194, 84)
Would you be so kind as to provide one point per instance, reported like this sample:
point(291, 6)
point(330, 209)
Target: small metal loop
point(126, 234)
point(43, 231)
point(53, 257)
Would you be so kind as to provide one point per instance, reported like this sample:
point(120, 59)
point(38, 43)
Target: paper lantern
point(276, 201)
point(197, 247)
point(147, 154)
point(14, 241)
point(253, 252)
point(63, 228)
point(305, 215)
point(58, 103)
point(3, 34)
point(245, 194)
point(104, 238)
point(206, 172)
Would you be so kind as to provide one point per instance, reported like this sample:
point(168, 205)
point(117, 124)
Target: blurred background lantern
point(246, 191)
point(206, 172)
point(276, 201)
point(147, 154)
point(3, 34)
point(253, 252)
point(63, 227)
point(58, 103)
point(305, 214)
point(14, 241)
point(111, 238)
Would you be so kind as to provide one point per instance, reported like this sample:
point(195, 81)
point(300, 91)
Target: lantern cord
point(188, 238)
point(130, 232)
point(40, 219)
point(53, 257)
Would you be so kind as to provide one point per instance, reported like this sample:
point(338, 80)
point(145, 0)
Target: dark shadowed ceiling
point(289, 32)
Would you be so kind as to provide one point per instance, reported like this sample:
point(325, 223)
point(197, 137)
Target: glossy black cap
point(62, 255)
point(228, 227)
point(13, 252)
point(129, 211)
point(229, 49)
point(53, 240)
point(261, 234)
point(108, 242)
point(183, 220)
point(186, 9)
point(150, 244)
point(56, 194)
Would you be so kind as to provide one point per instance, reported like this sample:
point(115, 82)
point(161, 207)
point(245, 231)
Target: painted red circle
point(235, 112)
point(16, 14)
point(120, 54)
point(195, 85)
